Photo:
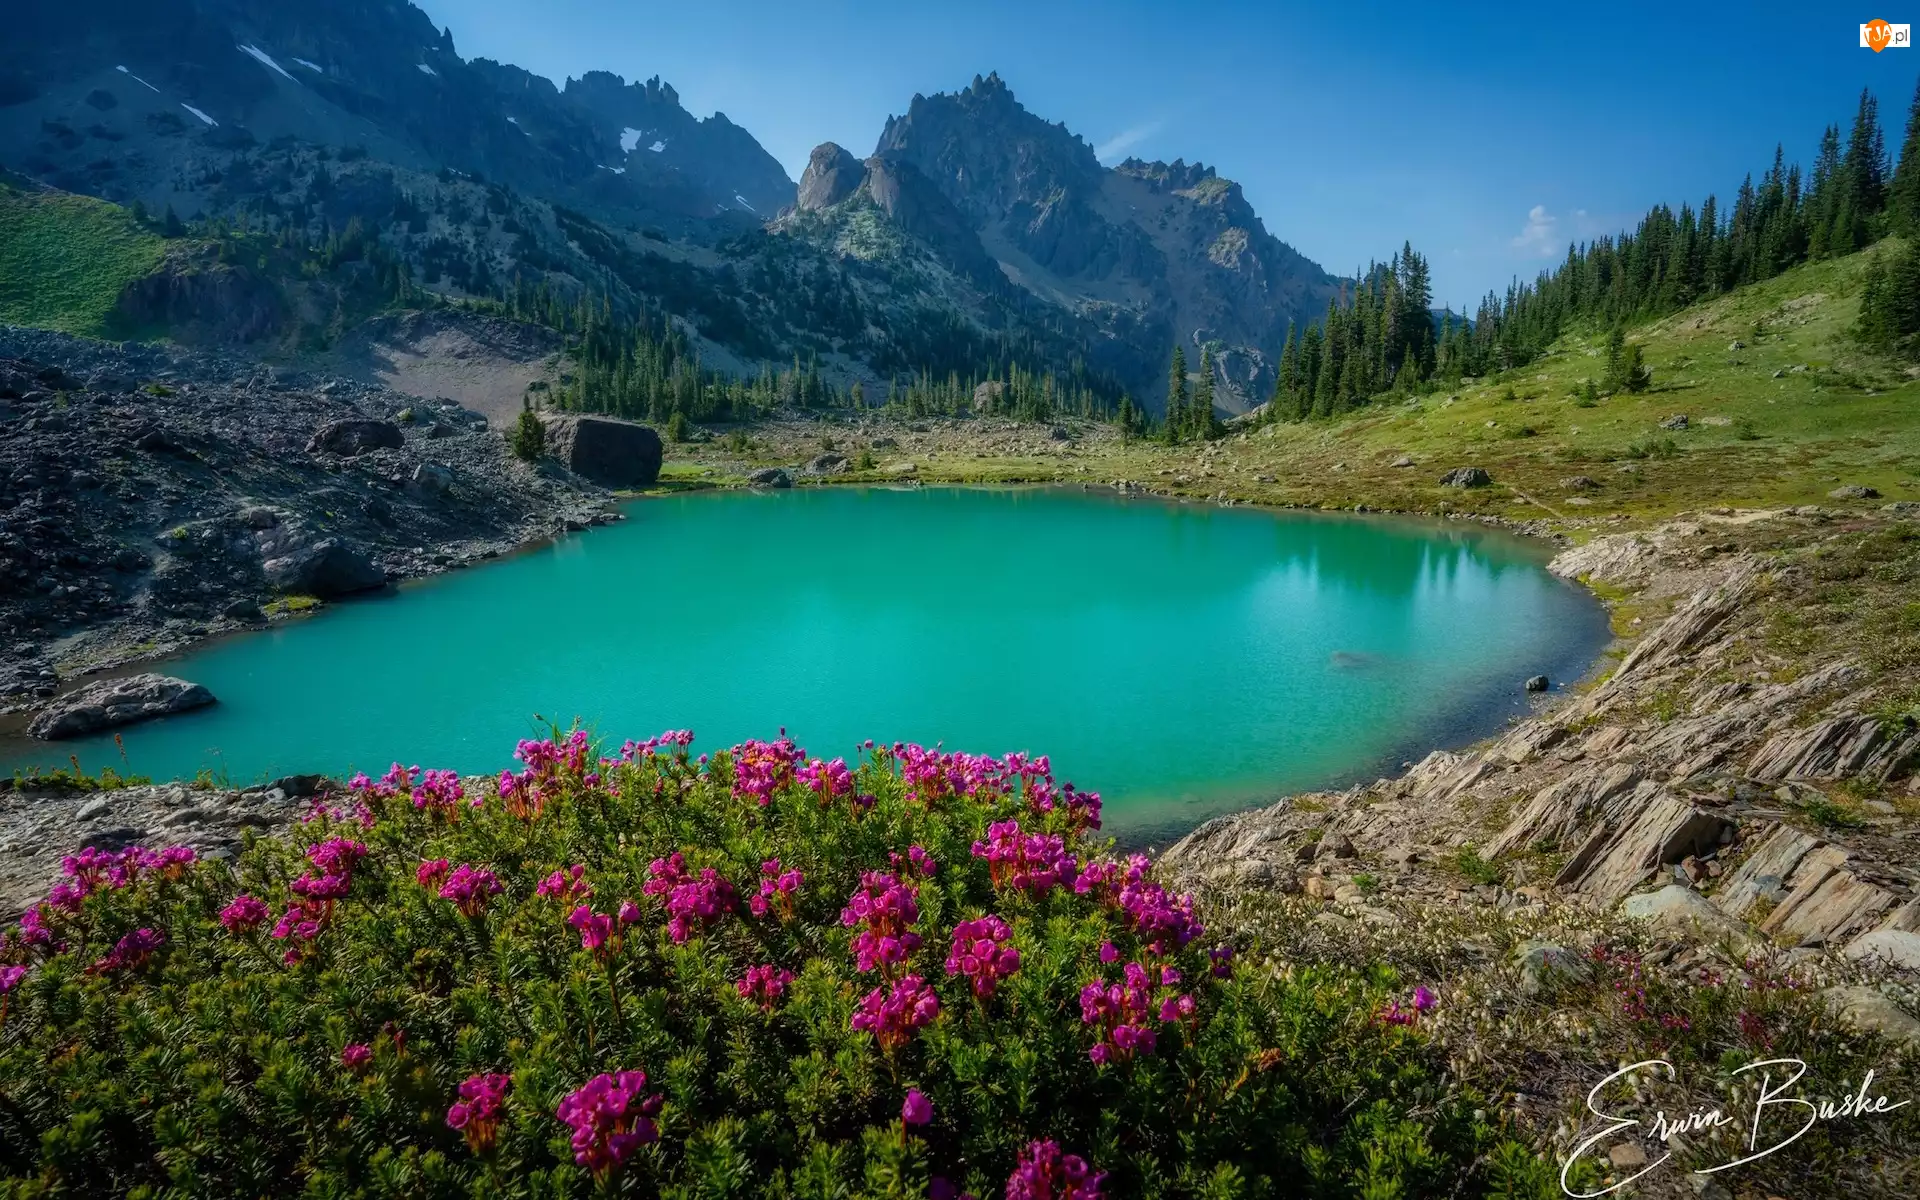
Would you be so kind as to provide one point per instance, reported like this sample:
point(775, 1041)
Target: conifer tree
point(1903, 200)
point(1616, 369)
point(1177, 394)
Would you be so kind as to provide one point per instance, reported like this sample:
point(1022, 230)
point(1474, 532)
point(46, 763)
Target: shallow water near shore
point(1182, 660)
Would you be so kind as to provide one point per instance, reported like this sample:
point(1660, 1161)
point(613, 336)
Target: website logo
point(1877, 35)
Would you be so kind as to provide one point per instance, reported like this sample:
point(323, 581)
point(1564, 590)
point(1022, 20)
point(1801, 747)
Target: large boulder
point(352, 436)
point(1466, 477)
point(325, 568)
point(611, 453)
point(113, 702)
point(773, 477)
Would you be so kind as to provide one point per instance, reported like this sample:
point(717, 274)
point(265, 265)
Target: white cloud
point(1538, 236)
point(1121, 142)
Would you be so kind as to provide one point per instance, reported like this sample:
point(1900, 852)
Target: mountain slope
point(1175, 245)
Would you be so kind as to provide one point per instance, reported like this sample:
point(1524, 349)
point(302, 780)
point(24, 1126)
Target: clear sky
point(1489, 134)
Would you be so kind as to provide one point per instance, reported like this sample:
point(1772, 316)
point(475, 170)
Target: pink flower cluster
point(666, 743)
point(600, 933)
point(10, 977)
point(1035, 862)
point(981, 953)
point(130, 953)
point(894, 1017)
point(569, 884)
point(334, 859)
point(1422, 1001)
point(694, 904)
point(1163, 920)
point(827, 780)
point(1122, 1011)
point(764, 985)
point(933, 775)
point(778, 887)
point(478, 1111)
point(355, 1056)
point(244, 914)
point(1045, 1173)
point(94, 868)
point(762, 768)
point(883, 910)
point(440, 791)
point(469, 887)
point(432, 872)
point(611, 1116)
point(916, 861)
point(525, 793)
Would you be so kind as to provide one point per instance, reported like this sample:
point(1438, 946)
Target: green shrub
point(528, 440)
point(702, 922)
point(677, 427)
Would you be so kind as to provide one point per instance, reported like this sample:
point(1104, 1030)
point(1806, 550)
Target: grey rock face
point(1853, 491)
point(611, 453)
point(326, 568)
point(354, 436)
point(828, 464)
point(1676, 421)
point(1466, 477)
point(114, 702)
point(832, 174)
point(773, 477)
point(1538, 683)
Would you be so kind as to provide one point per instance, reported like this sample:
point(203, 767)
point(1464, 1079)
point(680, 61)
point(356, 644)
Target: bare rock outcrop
point(607, 451)
point(111, 703)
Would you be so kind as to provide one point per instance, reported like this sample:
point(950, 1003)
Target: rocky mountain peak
point(831, 176)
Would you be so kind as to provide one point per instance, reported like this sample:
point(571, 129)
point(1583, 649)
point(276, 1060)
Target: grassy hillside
point(1798, 410)
point(64, 259)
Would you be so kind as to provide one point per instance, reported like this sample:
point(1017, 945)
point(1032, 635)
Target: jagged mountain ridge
point(1175, 244)
point(173, 89)
point(995, 220)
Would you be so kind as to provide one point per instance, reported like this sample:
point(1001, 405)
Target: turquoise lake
point(1182, 660)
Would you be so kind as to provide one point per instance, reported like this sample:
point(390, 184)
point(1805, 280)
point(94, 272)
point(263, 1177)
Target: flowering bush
point(654, 974)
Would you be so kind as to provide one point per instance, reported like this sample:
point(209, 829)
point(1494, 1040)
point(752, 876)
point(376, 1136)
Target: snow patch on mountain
point(263, 58)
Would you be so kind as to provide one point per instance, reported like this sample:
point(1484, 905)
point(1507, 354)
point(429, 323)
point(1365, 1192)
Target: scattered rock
point(1580, 483)
point(1339, 845)
point(1870, 1009)
point(828, 464)
point(1682, 910)
point(1897, 947)
point(1537, 683)
point(1628, 1156)
point(326, 568)
point(1731, 346)
point(1466, 477)
point(354, 436)
point(1545, 966)
point(1676, 421)
point(433, 479)
point(1402, 461)
point(1853, 491)
point(773, 477)
point(110, 703)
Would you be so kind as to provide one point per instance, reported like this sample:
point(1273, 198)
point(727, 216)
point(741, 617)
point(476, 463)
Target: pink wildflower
point(777, 889)
point(478, 1112)
point(130, 953)
point(917, 1109)
point(764, 985)
point(893, 1018)
point(355, 1056)
point(432, 873)
point(1045, 1173)
point(981, 953)
point(611, 1116)
point(1034, 863)
point(244, 914)
point(469, 888)
point(884, 910)
point(569, 884)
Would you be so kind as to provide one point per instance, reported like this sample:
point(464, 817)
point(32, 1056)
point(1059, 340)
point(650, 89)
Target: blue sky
point(1488, 135)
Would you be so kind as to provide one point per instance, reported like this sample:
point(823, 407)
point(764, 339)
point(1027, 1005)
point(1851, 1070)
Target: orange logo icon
point(1878, 35)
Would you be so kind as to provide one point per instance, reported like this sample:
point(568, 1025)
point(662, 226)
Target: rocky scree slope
point(152, 100)
point(149, 498)
point(1724, 775)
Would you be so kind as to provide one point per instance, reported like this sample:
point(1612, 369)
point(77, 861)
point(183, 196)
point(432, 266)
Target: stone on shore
point(110, 703)
point(611, 453)
point(1466, 477)
point(326, 568)
point(354, 436)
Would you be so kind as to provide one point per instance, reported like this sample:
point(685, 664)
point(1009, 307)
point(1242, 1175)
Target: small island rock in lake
point(114, 702)
point(614, 454)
